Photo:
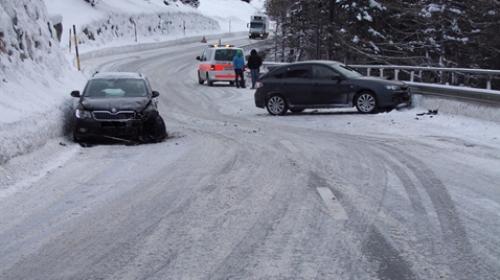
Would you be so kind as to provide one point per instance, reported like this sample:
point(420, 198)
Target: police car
point(216, 64)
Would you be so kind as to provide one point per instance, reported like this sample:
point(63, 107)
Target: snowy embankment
point(459, 107)
point(115, 23)
point(36, 67)
point(35, 77)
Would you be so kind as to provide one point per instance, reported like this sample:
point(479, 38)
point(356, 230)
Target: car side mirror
point(75, 93)
point(198, 58)
point(155, 94)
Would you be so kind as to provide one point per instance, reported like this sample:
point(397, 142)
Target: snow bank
point(34, 75)
point(478, 110)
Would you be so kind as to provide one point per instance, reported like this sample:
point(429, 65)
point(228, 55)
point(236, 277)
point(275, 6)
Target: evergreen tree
point(452, 33)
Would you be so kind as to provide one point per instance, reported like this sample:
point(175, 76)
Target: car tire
point(276, 105)
point(231, 84)
point(83, 142)
point(76, 139)
point(366, 102)
point(200, 80)
point(155, 130)
point(209, 82)
point(297, 110)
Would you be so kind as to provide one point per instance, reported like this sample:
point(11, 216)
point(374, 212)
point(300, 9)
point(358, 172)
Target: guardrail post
point(488, 83)
point(368, 72)
point(381, 72)
point(412, 76)
point(396, 74)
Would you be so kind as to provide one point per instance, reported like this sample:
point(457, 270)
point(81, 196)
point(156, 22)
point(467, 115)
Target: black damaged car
point(118, 106)
point(326, 84)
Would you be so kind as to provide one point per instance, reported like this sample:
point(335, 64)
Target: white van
point(216, 64)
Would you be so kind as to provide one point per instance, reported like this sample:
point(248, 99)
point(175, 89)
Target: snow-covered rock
point(34, 78)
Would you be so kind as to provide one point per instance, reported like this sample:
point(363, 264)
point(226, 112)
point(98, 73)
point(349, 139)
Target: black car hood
point(120, 104)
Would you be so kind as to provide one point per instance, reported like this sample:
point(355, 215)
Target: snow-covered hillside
point(113, 22)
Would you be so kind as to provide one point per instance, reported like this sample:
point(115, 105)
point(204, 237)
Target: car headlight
point(82, 114)
point(392, 87)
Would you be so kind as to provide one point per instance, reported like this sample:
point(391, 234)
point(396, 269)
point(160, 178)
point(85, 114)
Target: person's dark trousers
point(240, 78)
point(255, 76)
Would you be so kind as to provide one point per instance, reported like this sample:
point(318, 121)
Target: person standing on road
point(254, 64)
point(239, 67)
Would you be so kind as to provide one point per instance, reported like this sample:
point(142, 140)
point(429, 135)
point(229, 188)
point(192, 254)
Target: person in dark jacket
point(239, 67)
point(254, 64)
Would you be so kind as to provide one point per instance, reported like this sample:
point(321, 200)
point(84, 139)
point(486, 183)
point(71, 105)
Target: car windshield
point(256, 25)
point(104, 88)
point(225, 54)
point(346, 71)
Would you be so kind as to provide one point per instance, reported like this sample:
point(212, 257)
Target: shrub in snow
point(193, 3)
point(92, 2)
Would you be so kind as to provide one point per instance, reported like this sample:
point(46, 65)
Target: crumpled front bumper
point(91, 128)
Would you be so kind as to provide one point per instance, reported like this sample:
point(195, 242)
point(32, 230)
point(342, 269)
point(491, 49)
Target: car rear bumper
point(260, 99)
point(226, 75)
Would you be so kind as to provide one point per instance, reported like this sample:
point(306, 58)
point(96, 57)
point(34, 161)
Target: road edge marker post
point(70, 40)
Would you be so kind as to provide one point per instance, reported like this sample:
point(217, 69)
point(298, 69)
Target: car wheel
point(231, 84)
point(84, 143)
point(200, 80)
point(76, 139)
point(276, 105)
point(366, 103)
point(155, 130)
point(209, 83)
point(297, 110)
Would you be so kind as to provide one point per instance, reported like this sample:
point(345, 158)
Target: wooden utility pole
point(76, 49)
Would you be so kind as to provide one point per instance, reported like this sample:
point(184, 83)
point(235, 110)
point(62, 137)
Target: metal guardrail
point(418, 71)
point(455, 92)
point(460, 93)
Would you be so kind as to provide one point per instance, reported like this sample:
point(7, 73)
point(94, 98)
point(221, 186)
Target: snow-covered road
point(237, 194)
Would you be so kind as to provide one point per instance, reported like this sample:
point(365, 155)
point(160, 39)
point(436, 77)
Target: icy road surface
point(238, 194)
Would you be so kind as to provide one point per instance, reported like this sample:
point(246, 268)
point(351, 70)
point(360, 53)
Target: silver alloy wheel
point(276, 105)
point(366, 103)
